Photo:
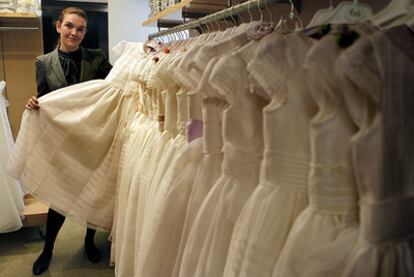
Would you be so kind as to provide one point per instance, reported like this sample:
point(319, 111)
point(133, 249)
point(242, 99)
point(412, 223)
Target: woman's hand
point(32, 103)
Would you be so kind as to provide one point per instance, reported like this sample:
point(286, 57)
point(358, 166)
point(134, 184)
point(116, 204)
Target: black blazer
point(49, 72)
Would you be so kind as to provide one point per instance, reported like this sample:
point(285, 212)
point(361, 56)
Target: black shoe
point(93, 253)
point(42, 263)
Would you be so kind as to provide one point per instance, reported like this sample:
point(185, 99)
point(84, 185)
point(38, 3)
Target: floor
point(18, 251)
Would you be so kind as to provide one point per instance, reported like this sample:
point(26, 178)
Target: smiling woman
point(68, 64)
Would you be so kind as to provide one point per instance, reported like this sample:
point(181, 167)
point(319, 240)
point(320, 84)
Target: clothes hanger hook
point(292, 9)
point(260, 11)
point(217, 23)
point(269, 12)
point(249, 12)
point(208, 28)
point(232, 15)
point(238, 14)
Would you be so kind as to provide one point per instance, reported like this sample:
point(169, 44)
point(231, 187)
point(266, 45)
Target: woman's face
point(72, 30)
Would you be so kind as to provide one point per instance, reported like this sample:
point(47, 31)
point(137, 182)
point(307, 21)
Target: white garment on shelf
point(11, 202)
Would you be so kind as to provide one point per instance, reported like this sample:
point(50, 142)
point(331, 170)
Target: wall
point(19, 50)
point(125, 19)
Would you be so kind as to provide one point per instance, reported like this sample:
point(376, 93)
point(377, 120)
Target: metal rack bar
point(233, 10)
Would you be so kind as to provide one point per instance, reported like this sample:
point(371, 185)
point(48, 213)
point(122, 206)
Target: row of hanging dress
point(374, 72)
point(164, 164)
point(174, 179)
point(11, 204)
point(139, 143)
point(302, 147)
point(214, 206)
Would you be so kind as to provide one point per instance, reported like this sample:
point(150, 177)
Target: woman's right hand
point(32, 103)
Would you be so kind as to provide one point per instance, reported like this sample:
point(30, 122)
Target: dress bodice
point(182, 76)
point(159, 77)
point(181, 111)
point(194, 64)
point(212, 113)
point(287, 116)
point(154, 104)
point(215, 48)
point(171, 110)
point(131, 57)
point(242, 119)
point(365, 113)
point(332, 185)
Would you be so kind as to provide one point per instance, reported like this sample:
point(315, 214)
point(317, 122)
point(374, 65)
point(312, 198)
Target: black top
point(71, 65)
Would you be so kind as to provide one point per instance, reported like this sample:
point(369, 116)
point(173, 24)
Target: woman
point(68, 64)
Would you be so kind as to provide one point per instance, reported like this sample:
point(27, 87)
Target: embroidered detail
point(258, 31)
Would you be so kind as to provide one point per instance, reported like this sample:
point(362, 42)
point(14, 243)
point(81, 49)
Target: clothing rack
point(229, 12)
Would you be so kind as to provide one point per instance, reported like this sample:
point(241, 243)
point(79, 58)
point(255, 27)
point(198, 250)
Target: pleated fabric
point(67, 152)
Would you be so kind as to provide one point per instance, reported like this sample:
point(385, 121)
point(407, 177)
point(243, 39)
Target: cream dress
point(166, 169)
point(266, 219)
point(125, 169)
point(381, 67)
point(141, 138)
point(332, 191)
point(67, 153)
point(147, 141)
point(197, 66)
point(209, 169)
point(170, 202)
point(382, 244)
point(243, 144)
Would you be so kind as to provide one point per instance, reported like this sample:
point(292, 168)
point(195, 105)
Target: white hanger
point(396, 13)
point(289, 23)
point(321, 16)
point(350, 12)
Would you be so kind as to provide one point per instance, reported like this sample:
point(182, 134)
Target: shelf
point(152, 21)
point(19, 22)
point(185, 9)
point(18, 15)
